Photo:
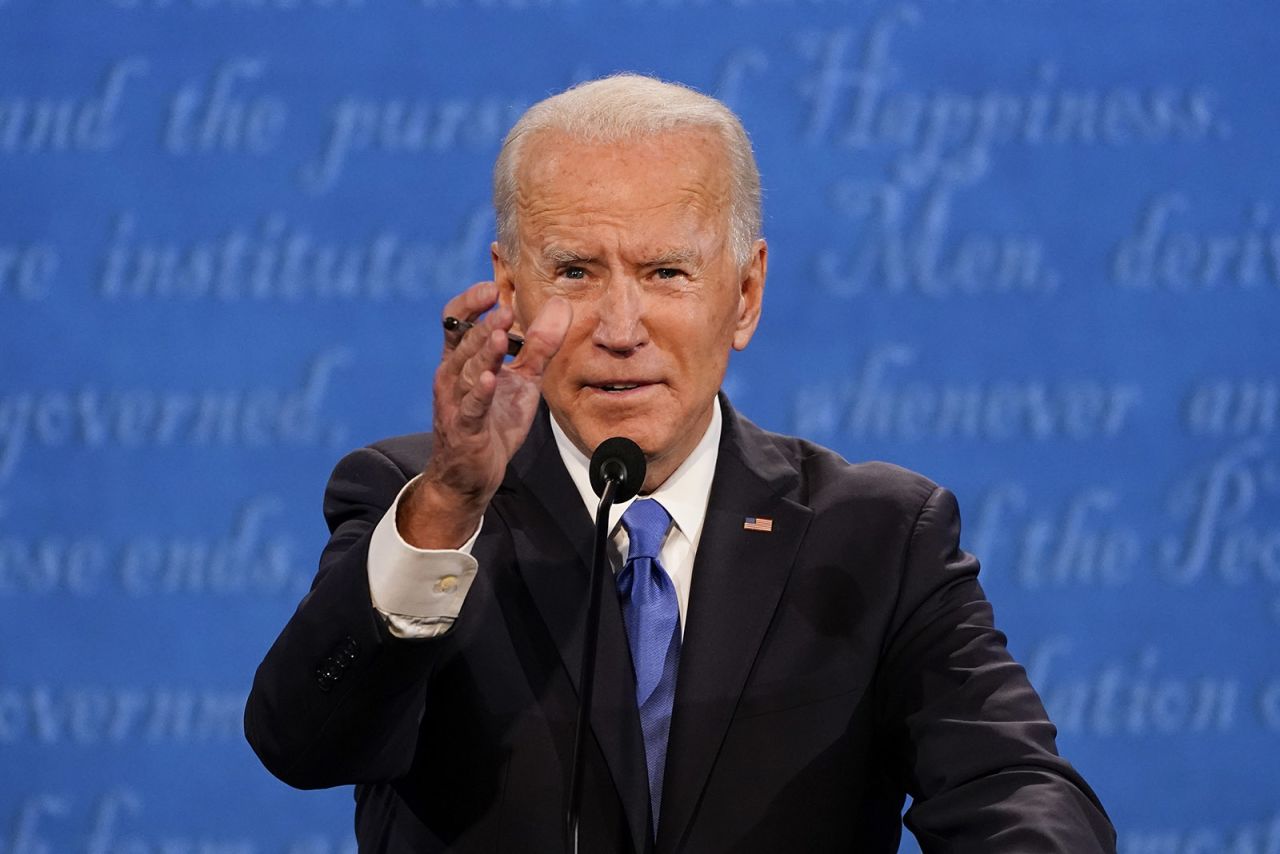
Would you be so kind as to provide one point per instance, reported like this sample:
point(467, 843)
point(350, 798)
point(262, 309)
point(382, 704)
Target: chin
point(638, 428)
point(632, 429)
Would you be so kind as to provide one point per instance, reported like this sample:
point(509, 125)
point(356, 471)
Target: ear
point(504, 277)
point(751, 295)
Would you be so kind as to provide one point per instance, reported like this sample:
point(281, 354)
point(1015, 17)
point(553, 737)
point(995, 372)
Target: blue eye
point(668, 273)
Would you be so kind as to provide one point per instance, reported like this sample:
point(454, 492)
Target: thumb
point(543, 337)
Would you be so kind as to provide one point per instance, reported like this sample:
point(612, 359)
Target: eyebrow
point(558, 255)
point(674, 258)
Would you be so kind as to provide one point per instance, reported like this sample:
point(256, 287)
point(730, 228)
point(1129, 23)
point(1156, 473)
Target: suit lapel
point(552, 534)
point(738, 579)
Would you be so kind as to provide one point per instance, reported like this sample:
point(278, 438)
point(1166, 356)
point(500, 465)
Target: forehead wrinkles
point(573, 184)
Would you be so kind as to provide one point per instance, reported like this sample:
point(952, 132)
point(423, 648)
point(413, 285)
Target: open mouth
point(620, 386)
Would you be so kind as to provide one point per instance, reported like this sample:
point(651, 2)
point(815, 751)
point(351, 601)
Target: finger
point(468, 306)
point(480, 337)
point(487, 357)
point(474, 405)
point(476, 340)
point(472, 302)
point(543, 337)
point(463, 398)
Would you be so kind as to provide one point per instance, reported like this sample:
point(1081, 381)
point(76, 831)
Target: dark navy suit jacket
point(829, 667)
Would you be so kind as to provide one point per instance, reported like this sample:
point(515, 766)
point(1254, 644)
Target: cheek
point(524, 304)
point(703, 332)
point(528, 293)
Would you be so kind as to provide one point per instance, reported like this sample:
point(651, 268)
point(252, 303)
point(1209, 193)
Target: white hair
point(624, 108)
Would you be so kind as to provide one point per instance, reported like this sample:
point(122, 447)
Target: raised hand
point(482, 413)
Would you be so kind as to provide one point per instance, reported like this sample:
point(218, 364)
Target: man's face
point(636, 237)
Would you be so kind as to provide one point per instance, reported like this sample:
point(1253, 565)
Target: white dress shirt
point(420, 591)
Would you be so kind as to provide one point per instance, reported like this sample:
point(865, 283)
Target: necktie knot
point(646, 522)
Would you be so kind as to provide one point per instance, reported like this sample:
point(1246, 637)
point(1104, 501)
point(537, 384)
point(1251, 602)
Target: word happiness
point(856, 100)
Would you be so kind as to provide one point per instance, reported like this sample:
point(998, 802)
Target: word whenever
point(83, 715)
point(281, 261)
point(252, 559)
point(142, 417)
point(35, 125)
point(878, 404)
point(1157, 258)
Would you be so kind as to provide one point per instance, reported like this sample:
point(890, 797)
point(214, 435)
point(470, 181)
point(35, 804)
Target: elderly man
point(796, 643)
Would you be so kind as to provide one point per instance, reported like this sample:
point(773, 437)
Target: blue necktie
point(652, 616)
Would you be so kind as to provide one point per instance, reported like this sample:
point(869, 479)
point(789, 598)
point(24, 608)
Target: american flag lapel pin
point(757, 523)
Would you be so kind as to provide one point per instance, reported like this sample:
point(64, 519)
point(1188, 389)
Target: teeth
point(618, 387)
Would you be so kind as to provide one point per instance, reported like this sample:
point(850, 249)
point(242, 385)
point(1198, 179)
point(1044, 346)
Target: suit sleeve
point(979, 753)
point(338, 699)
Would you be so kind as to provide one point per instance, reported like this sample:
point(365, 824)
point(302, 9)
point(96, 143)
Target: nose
point(620, 316)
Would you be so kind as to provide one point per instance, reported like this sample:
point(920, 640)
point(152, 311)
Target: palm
point(515, 402)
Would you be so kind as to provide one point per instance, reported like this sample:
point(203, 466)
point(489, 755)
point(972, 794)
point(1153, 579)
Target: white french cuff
point(420, 591)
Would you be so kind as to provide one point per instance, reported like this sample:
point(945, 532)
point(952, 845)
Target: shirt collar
point(684, 494)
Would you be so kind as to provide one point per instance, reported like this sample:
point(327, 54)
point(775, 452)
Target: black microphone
point(618, 459)
point(617, 473)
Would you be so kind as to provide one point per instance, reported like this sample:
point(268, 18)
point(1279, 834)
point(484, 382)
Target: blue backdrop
point(1029, 248)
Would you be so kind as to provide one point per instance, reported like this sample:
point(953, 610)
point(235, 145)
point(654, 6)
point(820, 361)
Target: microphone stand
point(587, 672)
